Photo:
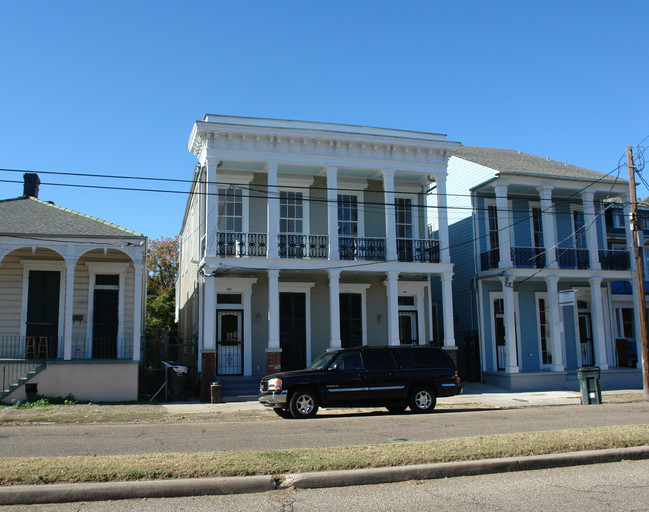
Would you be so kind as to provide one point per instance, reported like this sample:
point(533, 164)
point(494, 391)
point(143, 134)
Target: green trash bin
point(589, 385)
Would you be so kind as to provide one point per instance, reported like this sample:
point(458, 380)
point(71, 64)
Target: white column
point(273, 309)
point(334, 309)
point(510, 324)
point(211, 207)
point(390, 218)
point(69, 304)
point(442, 220)
point(332, 211)
point(597, 319)
point(393, 308)
point(549, 228)
point(504, 242)
point(591, 230)
point(137, 311)
point(447, 308)
point(209, 314)
point(272, 214)
point(554, 326)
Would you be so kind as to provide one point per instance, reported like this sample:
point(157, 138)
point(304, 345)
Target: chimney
point(30, 188)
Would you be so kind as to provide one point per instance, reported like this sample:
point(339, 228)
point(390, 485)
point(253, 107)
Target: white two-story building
point(301, 236)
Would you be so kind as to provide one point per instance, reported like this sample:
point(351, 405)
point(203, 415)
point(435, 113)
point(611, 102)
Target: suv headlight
point(275, 385)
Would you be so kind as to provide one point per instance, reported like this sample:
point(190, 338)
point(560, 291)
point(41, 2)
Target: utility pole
point(639, 277)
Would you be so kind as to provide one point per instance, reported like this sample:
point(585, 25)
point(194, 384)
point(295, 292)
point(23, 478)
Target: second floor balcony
point(565, 258)
point(302, 246)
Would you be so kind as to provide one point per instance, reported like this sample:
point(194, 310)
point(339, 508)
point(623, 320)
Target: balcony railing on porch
point(303, 246)
point(41, 348)
point(418, 250)
point(489, 259)
point(36, 348)
point(361, 249)
point(528, 257)
point(614, 260)
point(573, 258)
point(241, 244)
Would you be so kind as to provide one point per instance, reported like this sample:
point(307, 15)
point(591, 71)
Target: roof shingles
point(31, 216)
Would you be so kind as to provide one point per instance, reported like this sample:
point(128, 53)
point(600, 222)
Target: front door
point(292, 330)
point(585, 333)
point(351, 320)
point(105, 324)
point(43, 314)
point(408, 328)
point(499, 333)
point(229, 342)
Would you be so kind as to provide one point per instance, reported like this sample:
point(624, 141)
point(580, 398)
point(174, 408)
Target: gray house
point(72, 292)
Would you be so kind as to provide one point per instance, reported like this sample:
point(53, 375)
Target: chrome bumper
point(274, 399)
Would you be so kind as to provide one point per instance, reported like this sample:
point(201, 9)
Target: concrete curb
point(64, 493)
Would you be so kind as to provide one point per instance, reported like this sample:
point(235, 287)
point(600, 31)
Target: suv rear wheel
point(422, 399)
point(304, 404)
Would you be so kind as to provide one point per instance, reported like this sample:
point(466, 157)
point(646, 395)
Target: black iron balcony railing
point(39, 348)
point(489, 259)
point(42, 348)
point(303, 246)
point(573, 258)
point(241, 244)
point(417, 250)
point(528, 257)
point(361, 249)
point(614, 260)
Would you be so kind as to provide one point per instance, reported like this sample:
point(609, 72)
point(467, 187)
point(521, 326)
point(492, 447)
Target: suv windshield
point(322, 361)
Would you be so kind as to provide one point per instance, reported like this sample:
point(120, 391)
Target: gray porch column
point(442, 220)
point(209, 314)
point(504, 241)
point(69, 304)
point(554, 326)
point(447, 299)
point(393, 307)
point(549, 227)
point(332, 211)
point(591, 230)
point(272, 213)
point(334, 309)
point(597, 319)
point(510, 324)
point(390, 217)
point(273, 309)
point(274, 351)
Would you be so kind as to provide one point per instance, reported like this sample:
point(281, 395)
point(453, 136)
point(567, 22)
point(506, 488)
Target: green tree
point(162, 268)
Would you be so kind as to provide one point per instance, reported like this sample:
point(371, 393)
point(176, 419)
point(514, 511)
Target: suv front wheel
point(304, 404)
point(422, 399)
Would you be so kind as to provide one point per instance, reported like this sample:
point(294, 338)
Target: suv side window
point(423, 358)
point(377, 359)
point(349, 361)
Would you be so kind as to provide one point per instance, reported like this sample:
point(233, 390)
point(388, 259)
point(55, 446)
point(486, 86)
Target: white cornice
point(379, 148)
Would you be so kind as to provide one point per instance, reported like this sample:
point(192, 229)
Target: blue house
point(539, 248)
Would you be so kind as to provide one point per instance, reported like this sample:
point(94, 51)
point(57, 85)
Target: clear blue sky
point(114, 87)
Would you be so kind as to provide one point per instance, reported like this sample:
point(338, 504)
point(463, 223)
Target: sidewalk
point(475, 395)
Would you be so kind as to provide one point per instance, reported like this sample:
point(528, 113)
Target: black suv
point(393, 377)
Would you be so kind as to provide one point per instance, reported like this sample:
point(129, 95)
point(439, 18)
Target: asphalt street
point(594, 488)
point(329, 428)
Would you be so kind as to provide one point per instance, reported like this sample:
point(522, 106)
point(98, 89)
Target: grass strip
point(46, 470)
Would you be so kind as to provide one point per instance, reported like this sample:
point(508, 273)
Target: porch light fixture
point(258, 317)
point(380, 319)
